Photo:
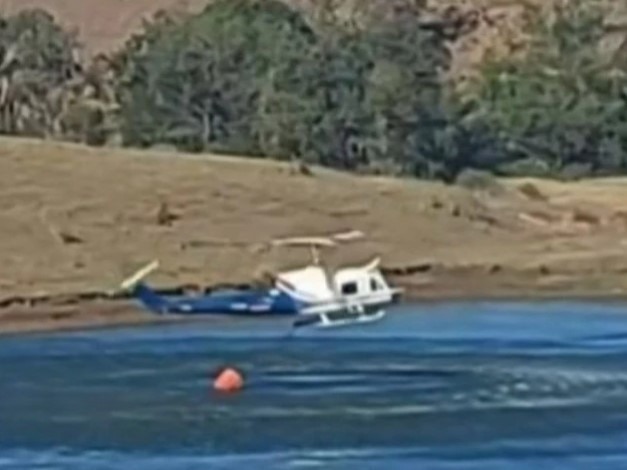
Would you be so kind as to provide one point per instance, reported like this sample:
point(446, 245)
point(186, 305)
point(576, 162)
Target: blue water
point(442, 386)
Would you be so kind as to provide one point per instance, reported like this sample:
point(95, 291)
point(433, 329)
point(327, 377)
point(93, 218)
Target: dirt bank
point(78, 220)
point(20, 319)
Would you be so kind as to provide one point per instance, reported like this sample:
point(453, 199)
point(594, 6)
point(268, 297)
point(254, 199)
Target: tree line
point(261, 79)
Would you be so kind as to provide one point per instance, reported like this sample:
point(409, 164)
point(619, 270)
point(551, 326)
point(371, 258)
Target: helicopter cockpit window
point(349, 288)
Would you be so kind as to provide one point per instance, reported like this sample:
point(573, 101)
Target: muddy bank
point(478, 283)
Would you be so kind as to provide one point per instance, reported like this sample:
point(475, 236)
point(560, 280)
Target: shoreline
point(87, 315)
point(68, 239)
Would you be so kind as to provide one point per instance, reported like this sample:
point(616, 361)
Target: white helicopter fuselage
point(349, 289)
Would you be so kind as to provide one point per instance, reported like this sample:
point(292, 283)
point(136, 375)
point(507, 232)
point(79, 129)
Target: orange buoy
point(229, 380)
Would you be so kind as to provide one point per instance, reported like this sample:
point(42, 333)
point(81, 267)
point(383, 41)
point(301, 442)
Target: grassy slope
point(469, 243)
point(110, 198)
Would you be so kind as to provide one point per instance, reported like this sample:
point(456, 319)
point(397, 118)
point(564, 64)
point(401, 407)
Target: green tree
point(406, 90)
point(314, 106)
point(364, 97)
point(38, 65)
point(558, 105)
point(197, 83)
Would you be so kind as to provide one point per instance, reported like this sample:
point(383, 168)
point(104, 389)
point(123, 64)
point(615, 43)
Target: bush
point(531, 191)
point(477, 180)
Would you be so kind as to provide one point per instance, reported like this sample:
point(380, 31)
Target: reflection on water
point(466, 386)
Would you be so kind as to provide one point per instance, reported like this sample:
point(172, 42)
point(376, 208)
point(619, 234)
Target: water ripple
point(448, 386)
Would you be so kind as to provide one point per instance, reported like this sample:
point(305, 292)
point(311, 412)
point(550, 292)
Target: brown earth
point(78, 220)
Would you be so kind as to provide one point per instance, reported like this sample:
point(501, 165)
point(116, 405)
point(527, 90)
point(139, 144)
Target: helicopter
point(313, 294)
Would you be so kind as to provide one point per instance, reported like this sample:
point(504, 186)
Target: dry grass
point(76, 219)
point(110, 200)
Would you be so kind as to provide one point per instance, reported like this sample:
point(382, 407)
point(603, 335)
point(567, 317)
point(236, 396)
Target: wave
point(567, 452)
point(422, 391)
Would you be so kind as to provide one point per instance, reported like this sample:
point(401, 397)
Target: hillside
point(101, 26)
point(78, 219)
point(104, 26)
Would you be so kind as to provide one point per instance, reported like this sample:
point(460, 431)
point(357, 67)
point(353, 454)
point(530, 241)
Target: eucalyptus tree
point(38, 61)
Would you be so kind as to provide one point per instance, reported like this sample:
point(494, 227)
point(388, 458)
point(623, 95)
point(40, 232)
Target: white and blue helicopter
point(314, 295)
